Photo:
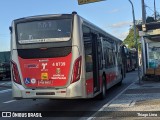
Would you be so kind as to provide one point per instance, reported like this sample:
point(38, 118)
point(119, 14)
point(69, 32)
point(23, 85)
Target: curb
point(106, 105)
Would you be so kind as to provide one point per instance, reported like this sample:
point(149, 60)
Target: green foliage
point(129, 40)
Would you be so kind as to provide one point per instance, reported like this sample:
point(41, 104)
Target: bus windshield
point(44, 31)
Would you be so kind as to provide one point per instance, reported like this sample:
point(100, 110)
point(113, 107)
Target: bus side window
point(86, 33)
point(100, 55)
point(87, 48)
point(111, 56)
point(106, 57)
point(88, 56)
point(114, 57)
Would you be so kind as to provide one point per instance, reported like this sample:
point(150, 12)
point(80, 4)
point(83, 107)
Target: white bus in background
point(63, 57)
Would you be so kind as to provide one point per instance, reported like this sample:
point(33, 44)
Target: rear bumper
point(73, 91)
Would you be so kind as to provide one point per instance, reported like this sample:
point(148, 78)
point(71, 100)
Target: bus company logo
point(44, 67)
point(44, 76)
point(31, 66)
point(58, 71)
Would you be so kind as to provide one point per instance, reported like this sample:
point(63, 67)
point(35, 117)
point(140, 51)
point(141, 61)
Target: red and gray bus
point(63, 56)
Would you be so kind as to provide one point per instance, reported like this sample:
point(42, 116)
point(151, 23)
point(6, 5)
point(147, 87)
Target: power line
point(155, 12)
point(149, 8)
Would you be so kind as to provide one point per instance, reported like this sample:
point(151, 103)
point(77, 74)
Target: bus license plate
point(45, 82)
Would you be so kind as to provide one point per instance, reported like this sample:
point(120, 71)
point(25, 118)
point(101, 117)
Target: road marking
point(6, 83)
point(9, 101)
point(2, 83)
point(106, 105)
point(4, 91)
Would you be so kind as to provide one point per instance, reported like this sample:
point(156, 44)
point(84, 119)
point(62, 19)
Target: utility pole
point(135, 37)
point(155, 10)
point(142, 40)
point(143, 13)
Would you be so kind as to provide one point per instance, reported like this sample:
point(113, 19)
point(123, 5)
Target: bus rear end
point(46, 63)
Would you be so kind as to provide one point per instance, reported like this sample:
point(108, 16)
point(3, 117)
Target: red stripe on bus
point(110, 77)
point(89, 86)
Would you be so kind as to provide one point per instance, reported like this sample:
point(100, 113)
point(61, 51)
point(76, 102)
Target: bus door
point(95, 58)
point(91, 60)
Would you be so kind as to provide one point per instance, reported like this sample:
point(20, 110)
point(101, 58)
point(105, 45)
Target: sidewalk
point(137, 102)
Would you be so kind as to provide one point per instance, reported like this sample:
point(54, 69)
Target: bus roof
point(100, 30)
point(39, 17)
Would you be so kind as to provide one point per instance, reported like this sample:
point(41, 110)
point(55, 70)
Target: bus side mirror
point(10, 28)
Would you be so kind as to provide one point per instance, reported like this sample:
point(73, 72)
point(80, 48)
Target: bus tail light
point(76, 70)
point(15, 73)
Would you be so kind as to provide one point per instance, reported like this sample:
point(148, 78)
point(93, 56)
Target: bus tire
point(120, 82)
point(103, 93)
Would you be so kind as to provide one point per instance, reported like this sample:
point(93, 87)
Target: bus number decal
point(59, 64)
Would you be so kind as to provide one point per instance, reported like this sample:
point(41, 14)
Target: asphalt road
point(7, 103)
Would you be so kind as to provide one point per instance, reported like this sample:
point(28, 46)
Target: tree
point(129, 40)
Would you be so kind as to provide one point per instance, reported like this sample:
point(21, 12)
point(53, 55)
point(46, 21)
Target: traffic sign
point(80, 2)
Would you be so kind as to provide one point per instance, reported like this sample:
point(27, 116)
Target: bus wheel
point(120, 83)
point(103, 93)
